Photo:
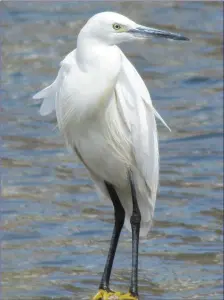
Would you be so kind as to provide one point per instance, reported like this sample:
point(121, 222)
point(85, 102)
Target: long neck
point(91, 52)
point(99, 66)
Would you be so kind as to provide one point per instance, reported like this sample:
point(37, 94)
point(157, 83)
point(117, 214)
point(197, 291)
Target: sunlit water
point(55, 230)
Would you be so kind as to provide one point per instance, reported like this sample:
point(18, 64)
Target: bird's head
point(113, 28)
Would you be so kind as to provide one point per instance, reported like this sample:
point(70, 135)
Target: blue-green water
point(55, 230)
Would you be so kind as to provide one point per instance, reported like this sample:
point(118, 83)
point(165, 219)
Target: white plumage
point(106, 115)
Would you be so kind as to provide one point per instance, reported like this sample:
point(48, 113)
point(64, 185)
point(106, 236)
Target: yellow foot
point(104, 295)
point(127, 296)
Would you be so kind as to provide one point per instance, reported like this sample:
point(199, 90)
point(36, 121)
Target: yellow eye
point(116, 26)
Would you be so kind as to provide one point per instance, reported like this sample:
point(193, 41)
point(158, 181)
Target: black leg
point(119, 214)
point(135, 225)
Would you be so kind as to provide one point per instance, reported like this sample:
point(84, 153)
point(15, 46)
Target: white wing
point(49, 93)
point(136, 108)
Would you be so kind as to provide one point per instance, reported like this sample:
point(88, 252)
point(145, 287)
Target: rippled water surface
point(56, 231)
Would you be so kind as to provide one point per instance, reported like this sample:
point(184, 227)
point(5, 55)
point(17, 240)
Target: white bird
point(106, 116)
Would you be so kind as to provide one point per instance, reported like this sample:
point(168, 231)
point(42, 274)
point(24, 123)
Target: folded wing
point(138, 113)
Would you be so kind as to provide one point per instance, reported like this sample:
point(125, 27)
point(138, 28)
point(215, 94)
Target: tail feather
point(145, 209)
point(146, 203)
point(144, 229)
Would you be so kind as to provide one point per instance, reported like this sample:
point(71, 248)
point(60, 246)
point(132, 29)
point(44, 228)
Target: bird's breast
point(85, 93)
point(104, 145)
point(92, 123)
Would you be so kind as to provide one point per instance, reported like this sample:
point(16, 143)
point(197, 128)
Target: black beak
point(146, 32)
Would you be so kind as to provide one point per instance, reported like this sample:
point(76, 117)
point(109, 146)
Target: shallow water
point(55, 230)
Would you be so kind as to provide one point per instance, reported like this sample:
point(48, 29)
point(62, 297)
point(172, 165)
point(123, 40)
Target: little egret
point(106, 116)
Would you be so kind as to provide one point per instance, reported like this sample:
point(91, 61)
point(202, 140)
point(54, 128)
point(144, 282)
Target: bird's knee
point(136, 218)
